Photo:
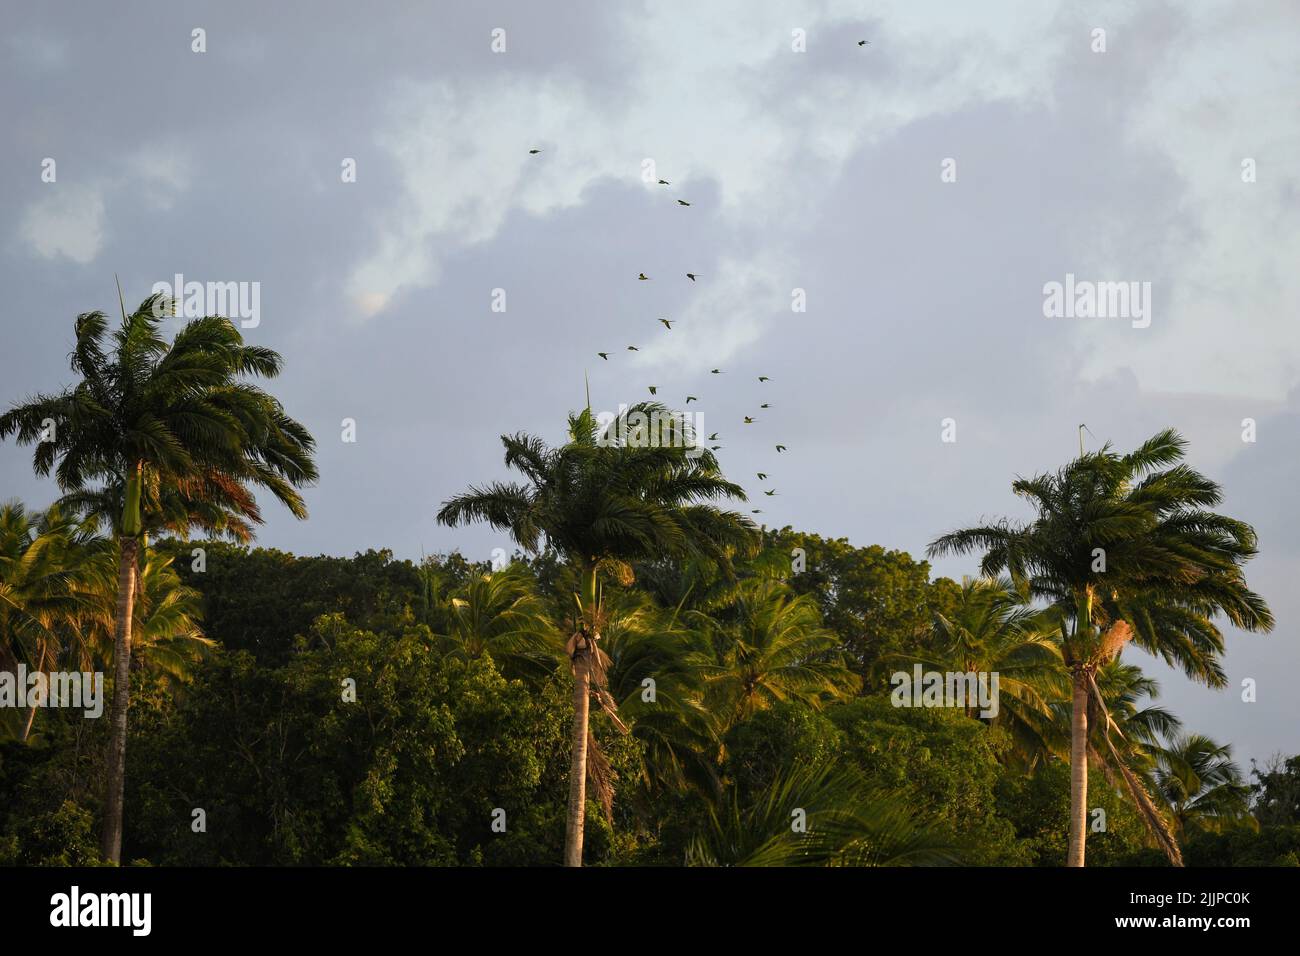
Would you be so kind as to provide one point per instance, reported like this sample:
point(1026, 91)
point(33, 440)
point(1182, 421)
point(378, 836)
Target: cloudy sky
point(811, 163)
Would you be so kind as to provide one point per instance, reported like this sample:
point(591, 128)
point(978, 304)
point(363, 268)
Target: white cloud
point(462, 148)
point(68, 222)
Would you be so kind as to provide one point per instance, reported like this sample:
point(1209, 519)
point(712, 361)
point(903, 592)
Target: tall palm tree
point(772, 649)
point(606, 498)
point(1126, 549)
point(155, 436)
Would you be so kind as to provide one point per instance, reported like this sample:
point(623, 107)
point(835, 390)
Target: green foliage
point(945, 766)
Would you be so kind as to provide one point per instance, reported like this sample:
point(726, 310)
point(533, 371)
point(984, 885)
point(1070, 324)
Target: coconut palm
point(166, 636)
point(1205, 790)
point(815, 814)
point(160, 435)
point(1126, 549)
point(611, 495)
point(498, 613)
point(991, 629)
point(42, 559)
point(771, 648)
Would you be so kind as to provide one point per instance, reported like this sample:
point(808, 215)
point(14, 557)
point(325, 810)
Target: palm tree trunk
point(1078, 767)
point(581, 661)
point(578, 764)
point(115, 773)
point(31, 711)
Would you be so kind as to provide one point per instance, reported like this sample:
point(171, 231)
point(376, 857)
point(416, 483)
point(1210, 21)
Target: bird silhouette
point(633, 348)
point(667, 324)
point(682, 202)
point(654, 389)
point(714, 447)
point(691, 398)
point(770, 493)
point(533, 152)
point(643, 277)
point(713, 437)
point(748, 420)
point(757, 511)
point(691, 276)
point(765, 405)
point(604, 355)
point(715, 371)
point(780, 448)
point(761, 476)
point(664, 182)
point(764, 378)
point(863, 42)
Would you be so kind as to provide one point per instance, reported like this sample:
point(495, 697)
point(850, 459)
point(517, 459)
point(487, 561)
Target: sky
point(916, 194)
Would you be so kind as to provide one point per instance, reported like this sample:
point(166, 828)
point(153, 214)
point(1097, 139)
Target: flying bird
point(664, 182)
point(654, 389)
point(682, 202)
point(863, 42)
point(643, 277)
point(633, 348)
point(715, 371)
point(761, 476)
point(757, 511)
point(667, 324)
point(714, 447)
point(713, 437)
point(764, 378)
point(691, 276)
point(770, 493)
point(691, 398)
point(748, 420)
point(604, 355)
point(533, 152)
point(765, 405)
point(780, 448)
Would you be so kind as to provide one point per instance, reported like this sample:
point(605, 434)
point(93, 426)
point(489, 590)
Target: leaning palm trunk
point(1078, 766)
point(111, 838)
point(31, 711)
point(1155, 821)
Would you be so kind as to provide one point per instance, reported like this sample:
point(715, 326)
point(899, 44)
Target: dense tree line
point(463, 706)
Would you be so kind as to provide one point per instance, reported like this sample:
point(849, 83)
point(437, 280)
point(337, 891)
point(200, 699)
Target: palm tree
point(166, 636)
point(992, 630)
point(1203, 787)
point(815, 814)
point(604, 499)
point(41, 566)
point(1126, 549)
point(156, 436)
point(774, 648)
point(499, 614)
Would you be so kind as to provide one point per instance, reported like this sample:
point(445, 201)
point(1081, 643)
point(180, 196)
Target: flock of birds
point(668, 325)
